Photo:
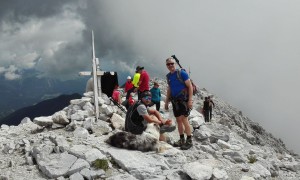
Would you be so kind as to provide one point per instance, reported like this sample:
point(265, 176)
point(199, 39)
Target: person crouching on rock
point(139, 114)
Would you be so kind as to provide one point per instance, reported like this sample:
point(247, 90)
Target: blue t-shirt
point(155, 92)
point(175, 85)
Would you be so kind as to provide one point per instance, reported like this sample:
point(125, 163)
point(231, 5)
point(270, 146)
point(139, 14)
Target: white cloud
point(10, 73)
point(11, 76)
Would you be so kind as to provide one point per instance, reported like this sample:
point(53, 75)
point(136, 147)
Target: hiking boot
point(179, 143)
point(167, 128)
point(187, 145)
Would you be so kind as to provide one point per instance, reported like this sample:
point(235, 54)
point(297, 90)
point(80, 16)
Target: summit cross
point(96, 74)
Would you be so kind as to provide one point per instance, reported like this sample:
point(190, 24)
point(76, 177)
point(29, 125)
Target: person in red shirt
point(128, 87)
point(144, 80)
point(116, 95)
point(131, 100)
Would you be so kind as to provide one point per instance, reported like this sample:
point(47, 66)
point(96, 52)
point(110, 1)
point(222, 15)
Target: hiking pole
point(119, 106)
point(177, 61)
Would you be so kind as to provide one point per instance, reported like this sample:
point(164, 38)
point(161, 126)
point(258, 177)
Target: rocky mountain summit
point(70, 144)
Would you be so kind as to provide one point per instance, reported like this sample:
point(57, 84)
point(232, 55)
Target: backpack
point(132, 117)
point(180, 79)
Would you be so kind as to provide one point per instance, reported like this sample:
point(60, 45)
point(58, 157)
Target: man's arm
point(151, 119)
point(157, 115)
point(212, 103)
point(149, 115)
point(168, 96)
point(119, 98)
point(190, 91)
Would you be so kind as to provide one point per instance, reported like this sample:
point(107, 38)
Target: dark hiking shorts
point(180, 108)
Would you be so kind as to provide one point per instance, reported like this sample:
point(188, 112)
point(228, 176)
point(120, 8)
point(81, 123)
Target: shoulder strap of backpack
point(178, 74)
point(168, 78)
point(179, 77)
point(137, 104)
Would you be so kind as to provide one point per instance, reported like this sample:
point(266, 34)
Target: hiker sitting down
point(116, 95)
point(140, 114)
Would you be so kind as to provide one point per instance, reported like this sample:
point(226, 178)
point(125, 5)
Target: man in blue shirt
point(180, 93)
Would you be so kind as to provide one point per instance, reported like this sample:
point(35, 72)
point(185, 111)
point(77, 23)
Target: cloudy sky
point(245, 52)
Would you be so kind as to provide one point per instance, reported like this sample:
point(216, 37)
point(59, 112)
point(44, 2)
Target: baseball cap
point(139, 68)
point(145, 93)
point(128, 77)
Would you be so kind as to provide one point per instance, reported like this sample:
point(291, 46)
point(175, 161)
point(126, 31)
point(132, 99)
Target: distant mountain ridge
point(44, 108)
point(30, 89)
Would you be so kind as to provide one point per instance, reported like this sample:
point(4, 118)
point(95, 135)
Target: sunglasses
point(168, 64)
point(147, 98)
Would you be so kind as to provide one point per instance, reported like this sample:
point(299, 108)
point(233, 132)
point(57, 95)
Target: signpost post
point(96, 74)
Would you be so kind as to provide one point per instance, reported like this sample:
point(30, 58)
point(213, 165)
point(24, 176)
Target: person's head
point(155, 84)
point(170, 63)
point(206, 98)
point(128, 78)
point(146, 97)
point(116, 86)
point(139, 69)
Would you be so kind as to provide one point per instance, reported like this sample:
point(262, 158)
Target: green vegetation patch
point(252, 159)
point(100, 164)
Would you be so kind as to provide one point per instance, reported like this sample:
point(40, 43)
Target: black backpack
point(133, 121)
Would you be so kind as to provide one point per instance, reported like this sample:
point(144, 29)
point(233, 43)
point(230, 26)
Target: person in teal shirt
point(156, 96)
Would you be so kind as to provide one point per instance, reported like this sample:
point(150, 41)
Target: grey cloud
point(40, 37)
point(21, 11)
point(67, 62)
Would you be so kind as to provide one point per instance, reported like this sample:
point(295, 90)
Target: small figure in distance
point(211, 106)
point(156, 95)
point(206, 109)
